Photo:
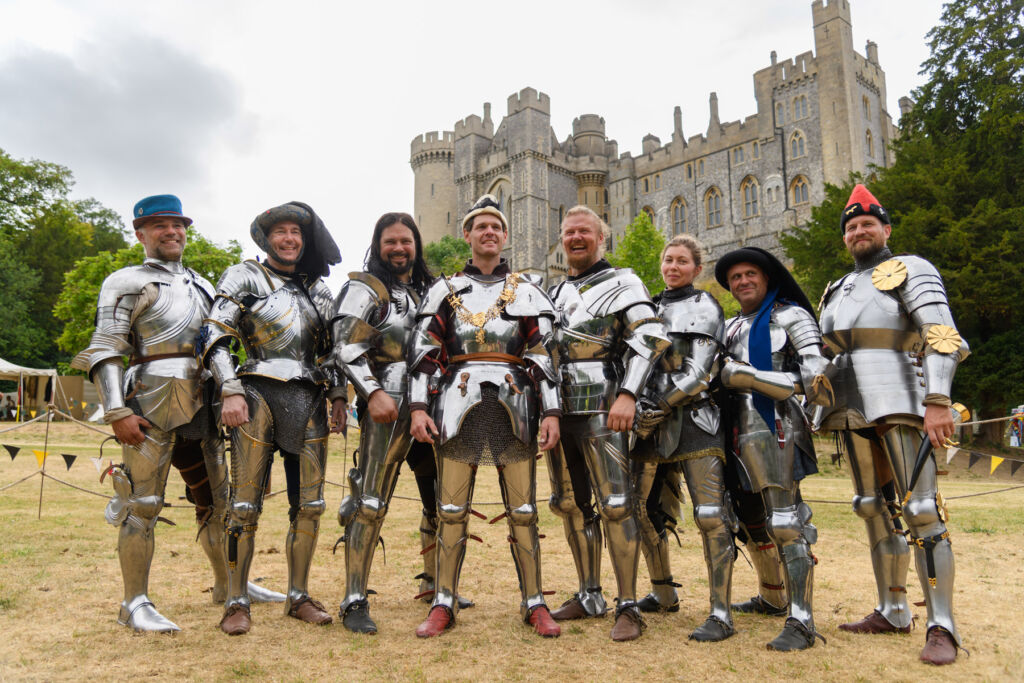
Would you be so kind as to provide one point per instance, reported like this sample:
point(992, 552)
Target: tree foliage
point(76, 305)
point(954, 193)
point(447, 255)
point(640, 249)
point(44, 233)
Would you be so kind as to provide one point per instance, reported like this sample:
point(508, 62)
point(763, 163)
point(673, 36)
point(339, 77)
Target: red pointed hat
point(862, 203)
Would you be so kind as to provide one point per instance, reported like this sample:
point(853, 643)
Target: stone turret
point(432, 158)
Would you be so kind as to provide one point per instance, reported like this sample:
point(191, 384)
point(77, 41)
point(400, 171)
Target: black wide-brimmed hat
point(319, 250)
point(779, 276)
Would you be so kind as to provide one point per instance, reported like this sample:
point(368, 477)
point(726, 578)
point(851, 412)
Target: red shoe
point(438, 620)
point(541, 621)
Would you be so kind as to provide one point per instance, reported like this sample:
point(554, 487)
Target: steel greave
point(518, 483)
point(654, 545)
point(705, 481)
point(302, 533)
point(455, 482)
point(890, 554)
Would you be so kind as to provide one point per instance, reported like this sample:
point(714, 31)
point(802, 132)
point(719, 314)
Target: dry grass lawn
point(60, 587)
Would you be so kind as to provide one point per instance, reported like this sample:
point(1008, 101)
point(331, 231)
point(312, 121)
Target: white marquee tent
point(17, 373)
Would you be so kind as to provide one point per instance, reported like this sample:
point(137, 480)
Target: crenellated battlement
point(827, 10)
point(528, 98)
point(474, 125)
point(434, 141)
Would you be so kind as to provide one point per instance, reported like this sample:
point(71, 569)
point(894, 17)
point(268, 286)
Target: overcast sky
point(237, 106)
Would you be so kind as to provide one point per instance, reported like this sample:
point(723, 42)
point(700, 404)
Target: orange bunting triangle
point(40, 456)
point(996, 462)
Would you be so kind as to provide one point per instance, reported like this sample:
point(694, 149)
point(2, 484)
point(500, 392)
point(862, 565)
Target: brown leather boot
point(310, 611)
point(628, 624)
point(873, 623)
point(940, 648)
point(570, 609)
point(236, 620)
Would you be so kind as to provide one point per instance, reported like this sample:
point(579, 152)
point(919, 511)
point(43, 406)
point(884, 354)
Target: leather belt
point(493, 357)
point(873, 338)
point(159, 356)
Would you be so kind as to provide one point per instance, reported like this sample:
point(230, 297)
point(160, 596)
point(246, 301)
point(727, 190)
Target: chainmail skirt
point(486, 436)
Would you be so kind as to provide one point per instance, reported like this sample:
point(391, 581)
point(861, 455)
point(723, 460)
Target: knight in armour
point(895, 350)
point(373, 317)
point(683, 428)
point(160, 408)
point(278, 310)
point(774, 357)
point(609, 340)
point(489, 332)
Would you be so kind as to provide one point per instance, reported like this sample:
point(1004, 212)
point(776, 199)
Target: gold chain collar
point(478, 320)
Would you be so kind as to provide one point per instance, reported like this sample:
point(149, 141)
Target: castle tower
point(589, 141)
point(529, 134)
point(432, 157)
point(833, 46)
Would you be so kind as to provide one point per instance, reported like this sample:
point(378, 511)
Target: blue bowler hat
point(158, 205)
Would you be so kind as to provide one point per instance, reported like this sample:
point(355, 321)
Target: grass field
point(60, 588)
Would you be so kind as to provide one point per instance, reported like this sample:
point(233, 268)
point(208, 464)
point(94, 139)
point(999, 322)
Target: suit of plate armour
point(282, 323)
point(883, 371)
point(498, 377)
point(371, 326)
point(768, 459)
point(150, 314)
point(689, 437)
point(609, 338)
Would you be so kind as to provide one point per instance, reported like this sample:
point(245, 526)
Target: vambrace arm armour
point(353, 335)
point(742, 377)
point(694, 375)
point(219, 328)
point(646, 339)
point(924, 296)
point(805, 337)
point(540, 358)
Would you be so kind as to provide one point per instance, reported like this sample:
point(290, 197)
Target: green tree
point(447, 255)
point(954, 192)
point(21, 339)
point(76, 304)
point(27, 188)
point(640, 249)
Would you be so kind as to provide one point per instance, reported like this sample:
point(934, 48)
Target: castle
point(820, 115)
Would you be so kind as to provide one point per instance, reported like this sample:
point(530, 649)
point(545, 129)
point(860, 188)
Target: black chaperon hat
point(778, 275)
point(319, 250)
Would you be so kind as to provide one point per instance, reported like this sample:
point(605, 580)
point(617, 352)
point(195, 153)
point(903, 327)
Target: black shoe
point(713, 630)
point(794, 636)
point(757, 605)
point(650, 604)
point(465, 603)
point(356, 618)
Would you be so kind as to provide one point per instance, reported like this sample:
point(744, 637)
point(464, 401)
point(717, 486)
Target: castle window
point(797, 147)
point(713, 207)
point(606, 196)
point(657, 181)
point(737, 155)
point(749, 189)
point(650, 213)
point(800, 189)
point(800, 107)
point(561, 214)
point(780, 114)
point(604, 217)
point(689, 171)
point(647, 185)
point(586, 197)
point(431, 189)
point(700, 168)
point(756, 149)
point(866, 104)
point(678, 216)
point(449, 218)
point(869, 143)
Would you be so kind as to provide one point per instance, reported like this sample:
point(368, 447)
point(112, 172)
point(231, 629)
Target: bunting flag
point(996, 462)
point(40, 456)
point(13, 450)
point(950, 452)
point(32, 413)
point(1014, 466)
point(972, 459)
point(69, 459)
point(84, 404)
point(98, 464)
